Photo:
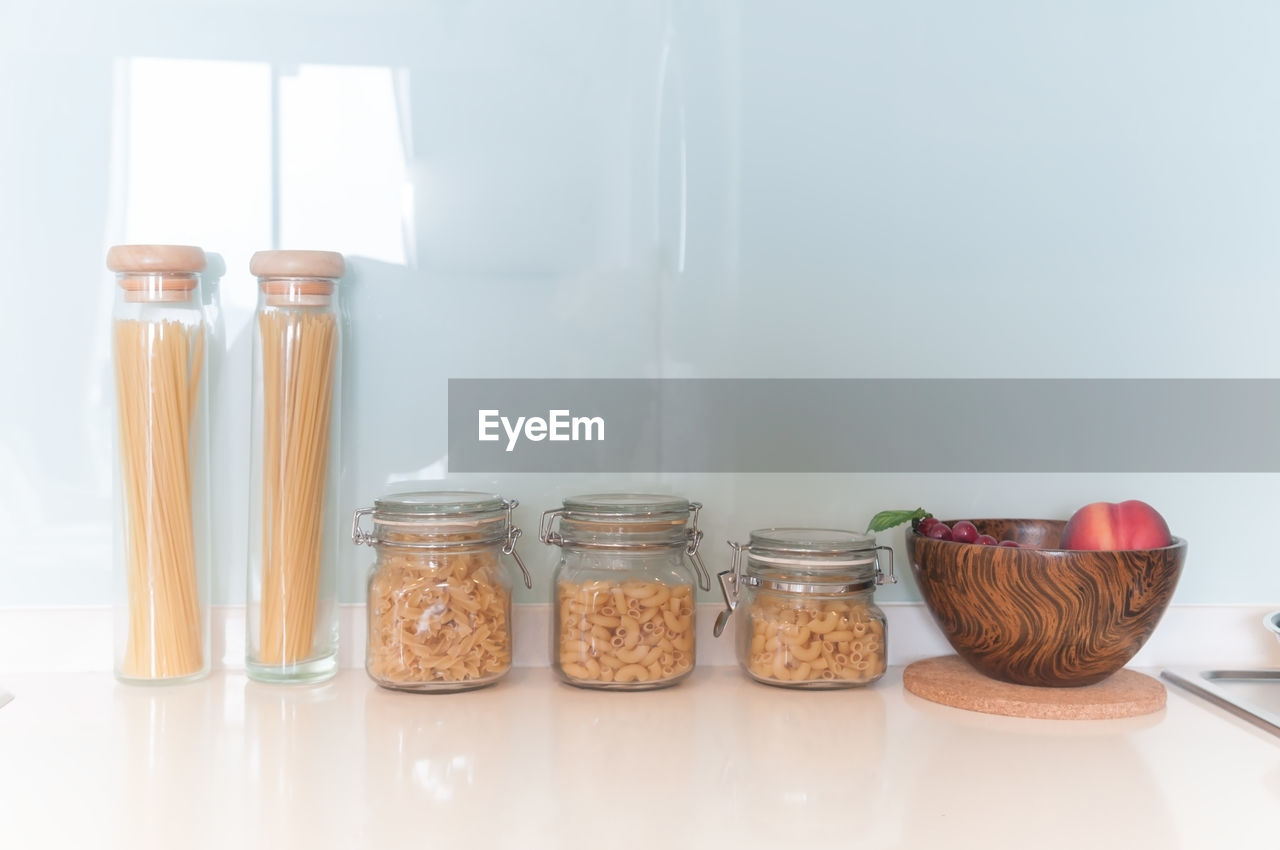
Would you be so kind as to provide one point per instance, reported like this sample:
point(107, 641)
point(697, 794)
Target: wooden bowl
point(1048, 617)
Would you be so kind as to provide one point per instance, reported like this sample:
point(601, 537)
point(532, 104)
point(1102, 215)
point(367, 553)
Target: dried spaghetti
point(157, 378)
point(299, 355)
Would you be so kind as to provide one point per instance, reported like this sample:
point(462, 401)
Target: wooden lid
point(180, 259)
point(321, 264)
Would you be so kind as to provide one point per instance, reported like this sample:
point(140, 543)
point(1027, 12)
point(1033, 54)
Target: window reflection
point(342, 162)
point(241, 156)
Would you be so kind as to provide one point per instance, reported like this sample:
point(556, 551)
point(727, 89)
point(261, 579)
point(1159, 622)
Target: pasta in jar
point(802, 601)
point(439, 603)
point(624, 632)
point(624, 603)
point(161, 572)
point(293, 544)
point(440, 619)
point(788, 640)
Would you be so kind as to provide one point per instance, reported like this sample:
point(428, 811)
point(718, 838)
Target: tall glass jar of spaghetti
point(292, 615)
point(159, 352)
point(624, 603)
point(439, 603)
point(802, 602)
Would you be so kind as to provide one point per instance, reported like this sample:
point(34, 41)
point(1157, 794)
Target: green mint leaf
point(886, 520)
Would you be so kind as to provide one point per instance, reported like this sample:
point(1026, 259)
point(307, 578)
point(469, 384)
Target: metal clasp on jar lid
point(545, 533)
point(513, 533)
point(695, 539)
point(581, 507)
point(733, 578)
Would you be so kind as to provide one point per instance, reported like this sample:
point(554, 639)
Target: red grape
point(986, 540)
point(925, 524)
point(964, 532)
point(1012, 544)
point(939, 531)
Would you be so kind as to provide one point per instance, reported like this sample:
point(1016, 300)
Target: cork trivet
point(951, 681)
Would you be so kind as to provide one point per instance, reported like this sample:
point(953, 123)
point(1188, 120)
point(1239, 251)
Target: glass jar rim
point(442, 519)
point(440, 516)
point(627, 507)
point(623, 521)
point(803, 561)
point(439, 503)
point(815, 549)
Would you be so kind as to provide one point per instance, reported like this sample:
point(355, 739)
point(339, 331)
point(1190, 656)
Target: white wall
point(573, 189)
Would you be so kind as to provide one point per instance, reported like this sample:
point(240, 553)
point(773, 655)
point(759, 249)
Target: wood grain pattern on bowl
point(1049, 617)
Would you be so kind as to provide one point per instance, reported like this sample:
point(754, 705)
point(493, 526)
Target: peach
point(1116, 526)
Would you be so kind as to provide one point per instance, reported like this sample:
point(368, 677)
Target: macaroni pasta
point(626, 633)
point(792, 641)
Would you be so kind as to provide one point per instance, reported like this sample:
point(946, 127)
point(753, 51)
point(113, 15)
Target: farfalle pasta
point(789, 640)
point(437, 618)
point(624, 633)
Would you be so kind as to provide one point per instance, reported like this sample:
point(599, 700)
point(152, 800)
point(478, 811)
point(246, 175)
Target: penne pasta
point(442, 617)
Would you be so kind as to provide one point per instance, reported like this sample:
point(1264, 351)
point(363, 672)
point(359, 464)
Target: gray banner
point(820, 425)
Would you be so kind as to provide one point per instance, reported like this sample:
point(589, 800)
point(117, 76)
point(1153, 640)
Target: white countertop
point(716, 762)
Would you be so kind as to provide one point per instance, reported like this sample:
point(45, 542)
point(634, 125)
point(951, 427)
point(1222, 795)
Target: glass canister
point(439, 602)
point(161, 558)
point(624, 609)
point(291, 626)
point(804, 609)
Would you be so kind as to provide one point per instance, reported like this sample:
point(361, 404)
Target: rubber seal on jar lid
point(808, 588)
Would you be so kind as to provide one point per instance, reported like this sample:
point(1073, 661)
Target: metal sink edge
point(1202, 683)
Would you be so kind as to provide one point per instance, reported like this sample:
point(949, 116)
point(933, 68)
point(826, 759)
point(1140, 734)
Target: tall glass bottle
point(292, 618)
point(161, 557)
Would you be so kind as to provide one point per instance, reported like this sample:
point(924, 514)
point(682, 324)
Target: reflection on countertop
point(530, 762)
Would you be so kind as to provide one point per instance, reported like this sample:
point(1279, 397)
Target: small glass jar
point(291, 623)
point(803, 607)
point(159, 345)
point(624, 612)
point(439, 602)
